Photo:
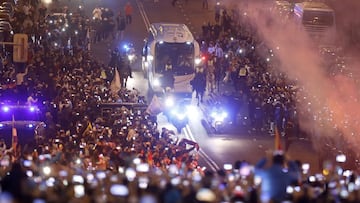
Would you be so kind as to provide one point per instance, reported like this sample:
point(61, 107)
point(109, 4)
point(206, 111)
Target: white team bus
point(317, 19)
point(170, 42)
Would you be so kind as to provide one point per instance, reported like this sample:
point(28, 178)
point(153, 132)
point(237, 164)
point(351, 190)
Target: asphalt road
point(215, 150)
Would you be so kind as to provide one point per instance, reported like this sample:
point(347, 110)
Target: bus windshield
point(181, 56)
point(324, 18)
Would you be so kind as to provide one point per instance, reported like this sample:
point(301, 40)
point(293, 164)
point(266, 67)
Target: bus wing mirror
point(144, 51)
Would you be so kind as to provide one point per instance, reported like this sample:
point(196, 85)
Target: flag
point(14, 137)
point(154, 107)
point(115, 85)
point(103, 75)
point(277, 141)
point(88, 39)
point(87, 129)
point(150, 158)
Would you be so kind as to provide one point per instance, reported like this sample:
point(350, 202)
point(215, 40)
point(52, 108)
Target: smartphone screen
point(79, 191)
point(119, 190)
point(78, 179)
point(143, 167)
point(228, 166)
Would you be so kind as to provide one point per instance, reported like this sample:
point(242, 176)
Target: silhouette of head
point(278, 159)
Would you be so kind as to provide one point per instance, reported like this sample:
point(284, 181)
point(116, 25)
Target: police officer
point(124, 69)
point(199, 84)
point(114, 59)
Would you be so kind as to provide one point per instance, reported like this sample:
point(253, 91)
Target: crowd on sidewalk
point(123, 156)
point(237, 56)
point(232, 49)
point(108, 25)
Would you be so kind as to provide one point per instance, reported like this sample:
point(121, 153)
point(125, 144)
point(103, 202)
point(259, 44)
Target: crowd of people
point(70, 87)
point(231, 46)
point(89, 153)
point(238, 56)
point(108, 25)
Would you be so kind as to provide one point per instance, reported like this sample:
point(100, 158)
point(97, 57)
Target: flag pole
point(88, 39)
point(277, 141)
point(14, 140)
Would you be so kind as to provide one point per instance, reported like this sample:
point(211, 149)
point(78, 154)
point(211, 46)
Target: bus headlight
point(156, 82)
point(131, 57)
point(198, 61)
point(169, 102)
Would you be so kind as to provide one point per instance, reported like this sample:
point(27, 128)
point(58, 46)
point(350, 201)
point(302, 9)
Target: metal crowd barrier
point(109, 108)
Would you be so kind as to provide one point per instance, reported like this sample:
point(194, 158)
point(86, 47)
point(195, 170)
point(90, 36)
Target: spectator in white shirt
point(211, 48)
point(20, 77)
point(31, 100)
point(219, 53)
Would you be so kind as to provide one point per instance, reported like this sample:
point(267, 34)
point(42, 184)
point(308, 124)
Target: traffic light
point(20, 51)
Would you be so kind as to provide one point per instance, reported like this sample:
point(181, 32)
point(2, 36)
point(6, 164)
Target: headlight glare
point(157, 82)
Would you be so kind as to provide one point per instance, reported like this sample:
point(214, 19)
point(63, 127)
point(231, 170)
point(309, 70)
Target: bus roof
point(171, 32)
point(282, 3)
point(318, 6)
point(283, 6)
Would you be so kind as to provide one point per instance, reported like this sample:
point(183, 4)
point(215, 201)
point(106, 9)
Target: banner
point(115, 85)
point(155, 106)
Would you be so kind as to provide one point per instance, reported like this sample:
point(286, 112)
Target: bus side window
point(145, 49)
